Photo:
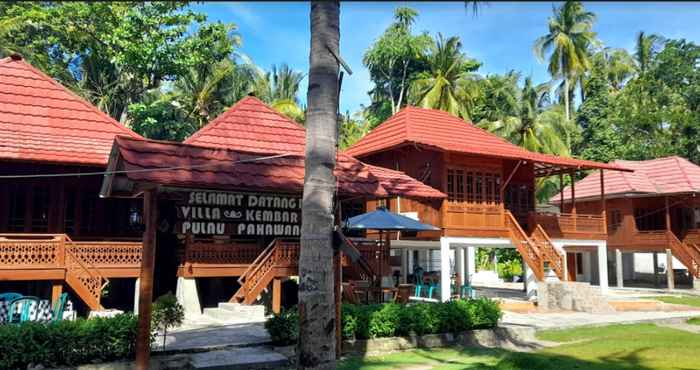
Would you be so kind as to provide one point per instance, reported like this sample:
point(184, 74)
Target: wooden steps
point(536, 249)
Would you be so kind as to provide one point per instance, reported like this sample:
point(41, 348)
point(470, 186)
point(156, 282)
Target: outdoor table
point(42, 313)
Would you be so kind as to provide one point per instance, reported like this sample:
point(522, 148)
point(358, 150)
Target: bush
point(508, 269)
point(392, 319)
point(284, 327)
point(67, 343)
point(167, 313)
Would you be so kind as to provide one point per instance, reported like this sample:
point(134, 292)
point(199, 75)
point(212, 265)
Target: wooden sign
point(239, 214)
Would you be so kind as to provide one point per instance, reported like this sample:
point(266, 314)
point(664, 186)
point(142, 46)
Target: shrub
point(284, 327)
point(167, 313)
point(67, 343)
point(508, 269)
point(392, 319)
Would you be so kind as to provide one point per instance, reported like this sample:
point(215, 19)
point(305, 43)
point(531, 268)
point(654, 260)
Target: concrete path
point(202, 333)
point(683, 326)
point(563, 320)
point(239, 358)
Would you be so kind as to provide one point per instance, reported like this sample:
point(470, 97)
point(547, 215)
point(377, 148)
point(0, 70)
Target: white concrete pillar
point(470, 262)
point(530, 283)
point(671, 280)
point(444, 269)
point(603, 267)
point(620, 277)
point(696, 283)
point(187, 296)
point(404, 265)
point(460, 261)
point(137, 283)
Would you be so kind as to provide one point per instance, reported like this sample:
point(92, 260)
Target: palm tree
point(569, 41)
point(437, 87)
point(317, 342)
point(647, 46)
point(279, 88)
point(619, 66)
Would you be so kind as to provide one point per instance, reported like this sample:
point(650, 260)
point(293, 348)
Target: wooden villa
point(490, 185)
point(226, 202)
point(654, 209)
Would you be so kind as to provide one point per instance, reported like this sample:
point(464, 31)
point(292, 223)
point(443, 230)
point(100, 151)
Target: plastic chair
point(9, 296)
point(59, 308)
point(467, 291)
point(431, 289)
point(25, 305)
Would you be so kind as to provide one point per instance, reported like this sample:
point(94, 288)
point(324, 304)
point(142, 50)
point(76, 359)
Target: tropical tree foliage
point(568, 42)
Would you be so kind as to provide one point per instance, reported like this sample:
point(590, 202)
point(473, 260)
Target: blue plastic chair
point(9, 296)
point(419, 289)
point(25, 305)
point(59, 308)
point(467, 291)
point(432, 288)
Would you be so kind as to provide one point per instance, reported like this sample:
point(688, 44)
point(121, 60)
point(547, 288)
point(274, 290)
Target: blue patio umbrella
point(383, 220)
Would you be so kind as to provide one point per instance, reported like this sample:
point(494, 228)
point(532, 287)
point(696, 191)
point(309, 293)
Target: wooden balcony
point(651, 240)
point(212, 259)
point(85, 265)
point(570, 226)
point(473, 219)
point(44, 256)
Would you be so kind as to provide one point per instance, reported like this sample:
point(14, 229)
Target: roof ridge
point(685, 174)
point(81, 100)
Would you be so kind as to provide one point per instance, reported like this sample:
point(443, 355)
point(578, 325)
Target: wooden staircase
point(85, 280)
point(279, 254)
point(685, 251)
point(536, 249)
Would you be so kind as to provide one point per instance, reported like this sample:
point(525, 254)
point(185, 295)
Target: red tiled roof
point(669, 175)
point(41, 120)
point(398, 183)
point(252, 126)
point(444, 131)
point(214, 168)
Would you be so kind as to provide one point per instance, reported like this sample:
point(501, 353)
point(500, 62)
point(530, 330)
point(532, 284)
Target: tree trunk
point(566, 97)
point(316, 346)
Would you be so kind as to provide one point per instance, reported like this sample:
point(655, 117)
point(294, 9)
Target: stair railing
point(531, 254)
point(89, 276)
point(549, 252)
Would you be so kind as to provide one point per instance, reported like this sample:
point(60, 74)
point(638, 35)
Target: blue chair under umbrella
point(9, 296)
point(23, 305)
point(382, 220)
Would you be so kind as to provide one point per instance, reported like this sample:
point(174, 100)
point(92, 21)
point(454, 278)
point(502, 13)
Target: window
point(40, 209)
point(474, 187)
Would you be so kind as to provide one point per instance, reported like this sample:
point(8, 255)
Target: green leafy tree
point(280, 88)
point(351, 130)
point(394, 59)
point(113, 53)
point(568, 43)
point(167, 313)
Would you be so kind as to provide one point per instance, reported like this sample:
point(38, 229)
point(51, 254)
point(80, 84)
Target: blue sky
point(500, 36)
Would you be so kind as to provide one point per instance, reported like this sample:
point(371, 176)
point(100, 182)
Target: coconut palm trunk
point(316, 348)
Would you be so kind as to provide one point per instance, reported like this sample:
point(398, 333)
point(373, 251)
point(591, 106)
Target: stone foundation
point(572, 296)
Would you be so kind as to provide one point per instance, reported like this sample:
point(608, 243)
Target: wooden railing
point(528, 249)
point(279, 254)
point(80, 261)
point(461, 215)
point(226, 254)
point(550, 253)
point(687, 253)
point(571, 226)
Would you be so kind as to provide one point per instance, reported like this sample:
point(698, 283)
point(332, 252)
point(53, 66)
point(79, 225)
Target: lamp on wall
point(135, 219)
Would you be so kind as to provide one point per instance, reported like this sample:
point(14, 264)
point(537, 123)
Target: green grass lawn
point(694, 321)
point(687, 300)
point(617, 347)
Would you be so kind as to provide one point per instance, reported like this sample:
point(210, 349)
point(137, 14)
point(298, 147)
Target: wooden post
point(276, 295)
point(670, 278)
point(573, 197)
point(603, 205)
point(143, 336)
point(561, 193)
point(668, 215)
point(56, 291)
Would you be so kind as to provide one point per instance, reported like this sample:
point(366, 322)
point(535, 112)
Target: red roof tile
point(252, 126)
point(214, 168)
point(398, 183)
point(41, 120)
point(669, 175)
point(444, 131)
